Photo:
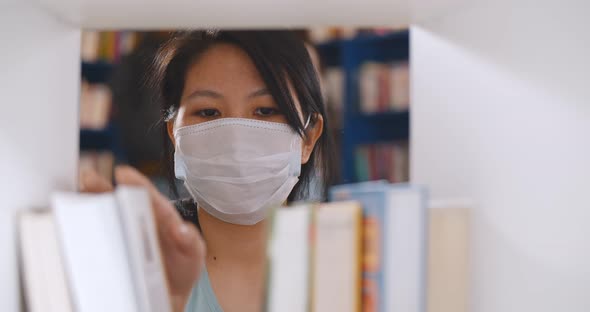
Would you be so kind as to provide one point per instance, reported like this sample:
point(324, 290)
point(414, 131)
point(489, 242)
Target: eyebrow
point(216, 95)
point(204, 93)
point(260, 92)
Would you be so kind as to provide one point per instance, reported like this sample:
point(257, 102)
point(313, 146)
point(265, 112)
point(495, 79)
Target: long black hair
point(282, 60)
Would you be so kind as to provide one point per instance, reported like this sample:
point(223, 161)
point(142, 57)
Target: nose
point(238, 110)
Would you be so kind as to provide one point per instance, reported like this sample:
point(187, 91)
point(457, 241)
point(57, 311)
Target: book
point(448, 256)
point(337, 258)
point(389, 161)
point(90, 45)
point(394, 237)
point(384, 87)
point(289, 257)
point(333, 89)
point(107, 46)
point(111, 252)
point(42, 271)
point(95, 106)
point(102, 162)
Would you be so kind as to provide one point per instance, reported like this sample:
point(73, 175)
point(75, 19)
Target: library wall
point(500, 114)
point(40, 67)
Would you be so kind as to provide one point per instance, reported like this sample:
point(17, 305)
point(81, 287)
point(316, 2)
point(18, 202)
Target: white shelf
point(152, 14)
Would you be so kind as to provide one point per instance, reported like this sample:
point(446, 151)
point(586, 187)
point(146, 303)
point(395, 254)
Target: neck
point(243, 245)
point(236, 262)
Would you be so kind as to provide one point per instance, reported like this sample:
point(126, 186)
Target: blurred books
point(101, 162)
point(333, 84)
point(290, 252)
point(45, 285)
point(384, 87)
point(100, 253)
point(388, 161)
point(376, 247)
point(95, 106)
point(448, 256)
point(337, 257)
point(394, 253)
point(107, 46)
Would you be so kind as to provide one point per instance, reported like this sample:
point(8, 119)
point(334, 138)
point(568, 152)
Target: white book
point(143, 249)
point(289, 256)
point(405, 278)
point(337, 258)
point(111, 252)
point(44, 284)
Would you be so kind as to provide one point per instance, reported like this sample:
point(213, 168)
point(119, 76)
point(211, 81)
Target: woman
point(246, 131)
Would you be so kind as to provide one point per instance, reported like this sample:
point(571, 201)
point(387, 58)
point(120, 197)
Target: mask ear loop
point(307, 122)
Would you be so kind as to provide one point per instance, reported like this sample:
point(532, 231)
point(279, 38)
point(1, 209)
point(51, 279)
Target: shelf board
point(182, 14)
point(97, 72)
point(91, 139)
point(330, 53)
point(377, 48)
point(377, 128)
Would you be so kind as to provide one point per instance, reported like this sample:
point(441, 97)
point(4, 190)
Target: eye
point(266, 111)
point(208, 113)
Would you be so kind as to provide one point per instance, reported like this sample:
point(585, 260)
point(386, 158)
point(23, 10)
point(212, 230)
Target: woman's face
point(224, 83)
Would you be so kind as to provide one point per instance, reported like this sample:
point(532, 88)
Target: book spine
point(373, 287)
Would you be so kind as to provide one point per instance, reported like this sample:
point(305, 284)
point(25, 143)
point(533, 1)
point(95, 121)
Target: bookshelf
point(101, 53)
point(97, 72)
point(105, 139)
point(358, 128)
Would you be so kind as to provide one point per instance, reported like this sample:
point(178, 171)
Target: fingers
point(91, 182)
point(129, 176)
point(183, 235)
point(189, 240)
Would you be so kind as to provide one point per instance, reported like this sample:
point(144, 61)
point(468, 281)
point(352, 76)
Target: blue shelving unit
point(106, 139)
point(97, 72)
point(91, 139)
point(360, 128)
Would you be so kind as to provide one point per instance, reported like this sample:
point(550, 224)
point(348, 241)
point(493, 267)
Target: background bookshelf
point(100, 144)
point(119, 113)
point(356, 122)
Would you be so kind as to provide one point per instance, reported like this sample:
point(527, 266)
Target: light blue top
point(202, 297)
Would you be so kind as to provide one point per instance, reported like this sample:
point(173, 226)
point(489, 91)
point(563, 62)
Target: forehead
point(223, 65)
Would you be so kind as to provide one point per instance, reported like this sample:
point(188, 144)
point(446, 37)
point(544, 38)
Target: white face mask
point(235, 168)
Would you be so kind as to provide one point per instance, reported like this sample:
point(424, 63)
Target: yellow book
point(448, 257)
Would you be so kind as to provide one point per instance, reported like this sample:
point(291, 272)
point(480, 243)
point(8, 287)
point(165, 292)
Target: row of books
point(374, 248)
point(107, 46)
point(389, 161)
point(95, 105)
point(333, 90)
point(101, 162)
point(384, 87)
point(323, 34)
point(98, 252)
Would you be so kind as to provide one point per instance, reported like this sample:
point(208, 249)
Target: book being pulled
point(108, 255)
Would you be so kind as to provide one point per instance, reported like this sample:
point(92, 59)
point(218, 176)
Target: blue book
point(394, 244)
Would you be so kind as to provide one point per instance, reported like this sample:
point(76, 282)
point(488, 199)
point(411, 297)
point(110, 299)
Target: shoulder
point(202, 296)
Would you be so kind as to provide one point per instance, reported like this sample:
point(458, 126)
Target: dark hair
point(282, 60)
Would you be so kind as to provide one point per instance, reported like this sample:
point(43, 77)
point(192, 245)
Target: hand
point(183, 248)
